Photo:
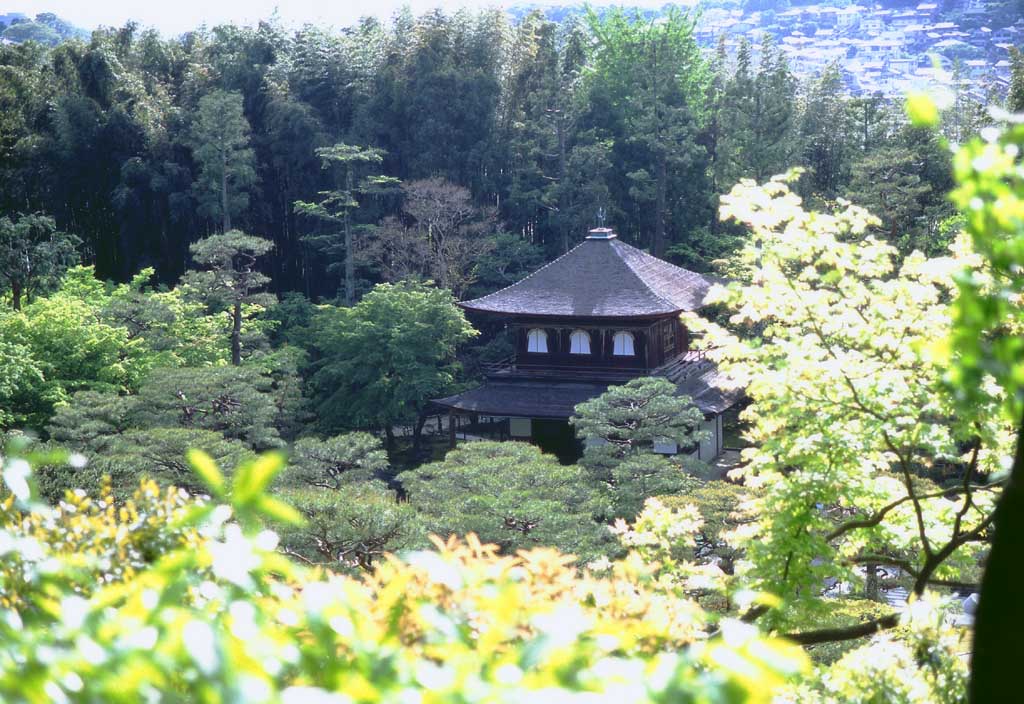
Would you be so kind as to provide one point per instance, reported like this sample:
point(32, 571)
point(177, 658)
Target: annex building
point(601, 314)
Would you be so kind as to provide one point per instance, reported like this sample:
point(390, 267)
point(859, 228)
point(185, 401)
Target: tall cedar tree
point(822, 131)
point(758, 114)
point(1015, 98)
point(651, 78)
point(220, 144)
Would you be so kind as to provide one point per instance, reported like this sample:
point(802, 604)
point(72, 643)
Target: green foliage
point(511, 260)
point(225, 411)
point(757, 117)
point(826, 153)
point(723, 507)
point(157, 454)
point(33, 255)
point(290, 321)
point(63, 347)
point(24, 395)
point(175, 330)
point(854, 431)
point(355, 179)
point(855, 406)
point(621, 427)
point(987, 338)
point(384, 358)
point(986, 347)
point(31, 32)
point(887, 182)
point(652, 80)
point(336, 462)
point(136, 142)
point(88, 335)
point(92, 538)
point(1015, 96)
point(352, 520)
point(198, 608)
point(509, 494)
point(219, 140)
point(920, 663)
point(238, 402)
point(351, 527)
point(231, 282)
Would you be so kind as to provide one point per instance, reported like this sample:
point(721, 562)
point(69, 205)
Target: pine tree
point(353, 166)
point(231, 279)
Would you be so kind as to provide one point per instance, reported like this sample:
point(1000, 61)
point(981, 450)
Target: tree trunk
point(350, 262)
point(16, 295)
point(998, 646)
point(226, 214)
point(417, 434)
point(350, 266)
point(661, 186)
point(871, 582)
point(389, 434)
point(562, 172)
point(236, 334)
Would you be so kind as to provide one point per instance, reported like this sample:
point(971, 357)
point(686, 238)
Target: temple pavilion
point(601, 314)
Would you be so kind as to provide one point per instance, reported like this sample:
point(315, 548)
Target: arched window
point(537, 341)
point(623, 345)
point(579, 342)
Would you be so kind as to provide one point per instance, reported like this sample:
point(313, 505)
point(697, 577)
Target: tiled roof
point(601, 277)
point(526, 398)
point(711, 390)
point(700, 379)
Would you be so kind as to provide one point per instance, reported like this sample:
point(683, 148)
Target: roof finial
point(601, 232)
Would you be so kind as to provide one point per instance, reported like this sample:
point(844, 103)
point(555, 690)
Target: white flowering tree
point(860, 455)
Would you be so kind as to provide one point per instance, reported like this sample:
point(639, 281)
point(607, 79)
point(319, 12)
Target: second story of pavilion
point(604, 311)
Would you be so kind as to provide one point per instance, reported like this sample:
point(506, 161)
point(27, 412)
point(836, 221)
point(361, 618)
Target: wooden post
point(451, 429)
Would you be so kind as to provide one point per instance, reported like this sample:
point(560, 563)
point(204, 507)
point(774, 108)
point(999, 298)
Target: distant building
point(600, 315)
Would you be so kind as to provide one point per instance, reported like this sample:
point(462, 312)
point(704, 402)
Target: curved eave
point(588, 316)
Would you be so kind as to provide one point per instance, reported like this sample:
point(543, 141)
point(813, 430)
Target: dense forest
point(516, 136)
point(229, 271)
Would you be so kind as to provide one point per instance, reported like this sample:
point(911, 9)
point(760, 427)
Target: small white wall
point(520, 427)
point(664, 446)
point(711, 446)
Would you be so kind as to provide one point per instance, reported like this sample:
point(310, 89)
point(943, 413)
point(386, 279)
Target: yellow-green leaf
point(279, 511)
point(206, 468)
point(922, 110)
point(255, 476)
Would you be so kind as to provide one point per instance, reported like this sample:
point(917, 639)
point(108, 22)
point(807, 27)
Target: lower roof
point(528, 398)
point(699, 379)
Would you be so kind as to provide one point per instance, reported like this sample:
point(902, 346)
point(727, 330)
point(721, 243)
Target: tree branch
point(879, 515)
point(833, 635)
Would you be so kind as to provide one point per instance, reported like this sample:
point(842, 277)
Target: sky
point(176, 16)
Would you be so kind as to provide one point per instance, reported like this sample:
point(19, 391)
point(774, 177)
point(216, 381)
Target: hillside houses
point(882, 49)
